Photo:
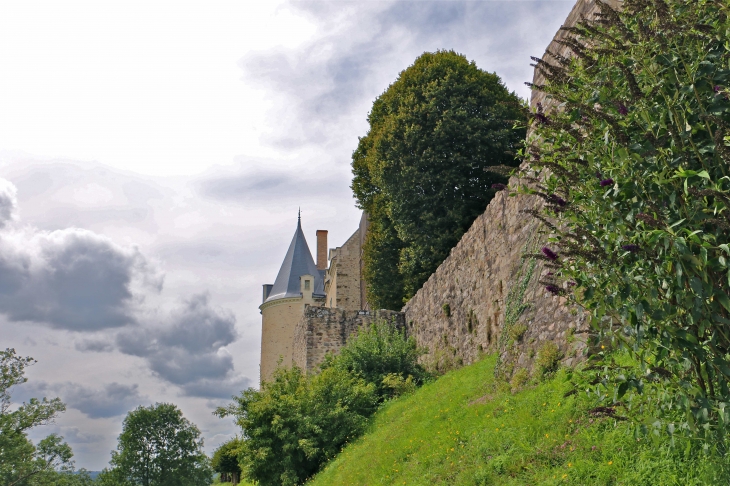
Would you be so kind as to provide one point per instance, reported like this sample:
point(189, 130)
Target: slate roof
point(297, 262)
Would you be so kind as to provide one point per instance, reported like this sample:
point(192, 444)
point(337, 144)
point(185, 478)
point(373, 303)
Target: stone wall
point(342, 281)
point(323, 330)
point(486, 296)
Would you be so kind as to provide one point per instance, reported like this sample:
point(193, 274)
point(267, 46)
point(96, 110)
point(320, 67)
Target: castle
point(486, 283)
point(302, 283)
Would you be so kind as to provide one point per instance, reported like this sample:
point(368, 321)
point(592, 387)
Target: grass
point(467, 429)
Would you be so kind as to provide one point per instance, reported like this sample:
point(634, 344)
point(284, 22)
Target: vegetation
point(467, 428)
point(23, 463)
point(158, 447)
point(225, 460)
point(297, 422)
point(419, 171)
point(634, 172)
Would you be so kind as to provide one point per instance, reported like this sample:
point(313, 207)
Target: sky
point(153, 157)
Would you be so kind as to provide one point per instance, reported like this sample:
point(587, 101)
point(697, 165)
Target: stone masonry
point(461, 310)
point(323, 330)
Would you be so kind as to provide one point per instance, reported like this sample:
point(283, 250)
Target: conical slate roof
point(297, 262)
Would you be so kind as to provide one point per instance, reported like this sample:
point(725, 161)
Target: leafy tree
point(225, 460)
point(379, 352)
point(22, 462)
point(295, 423)
point(634, 172)
point(419, 171)
point(159, 447)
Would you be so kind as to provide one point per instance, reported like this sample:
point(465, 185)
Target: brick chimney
point(321, 249)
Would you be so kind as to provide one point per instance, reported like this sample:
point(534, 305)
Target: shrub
point(519, 378)
point(378, 351)
point(295, 423)
point(517, 331)
point(548, 357)
point(634, 171)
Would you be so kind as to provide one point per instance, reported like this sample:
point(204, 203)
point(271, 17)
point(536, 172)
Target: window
point(306, 285)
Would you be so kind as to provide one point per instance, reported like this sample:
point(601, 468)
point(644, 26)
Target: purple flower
point(572, 284)
point(553, 289)
point(718, 89)
point(557, 200)
point(542, 118)
point(598, 175)
point(549, 254)
point(606, 182)
point(631, 248)
point(622, 110)
point(499, 186)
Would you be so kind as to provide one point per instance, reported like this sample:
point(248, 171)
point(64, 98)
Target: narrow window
point(306, 285)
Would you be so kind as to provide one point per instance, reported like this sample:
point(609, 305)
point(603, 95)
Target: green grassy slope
point(464, 429)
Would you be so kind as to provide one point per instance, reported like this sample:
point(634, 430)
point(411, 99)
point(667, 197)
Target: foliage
point(295, 423)
point(225, 459)
point(467, 428)
point(22, 462)
point(517, 331)
point(419, 171)
point(548, 357)
point(633, 167)
point(159, 447)
point(378, 351)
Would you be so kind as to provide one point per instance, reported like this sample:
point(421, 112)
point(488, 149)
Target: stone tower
point(300, 282)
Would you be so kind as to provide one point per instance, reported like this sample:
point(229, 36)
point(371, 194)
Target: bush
point(634, 171)
point(548, 357)
point(377, 352)
point(517, 331)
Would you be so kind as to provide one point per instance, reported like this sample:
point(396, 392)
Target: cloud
point(325, 86)
point(263, 186)
point(71, 279)
point(111, 400)
point(8, 202)
point(188, 349)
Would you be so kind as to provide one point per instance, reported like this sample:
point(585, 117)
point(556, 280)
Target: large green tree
point(23, 463)
point(159, 447)
point(420, 170)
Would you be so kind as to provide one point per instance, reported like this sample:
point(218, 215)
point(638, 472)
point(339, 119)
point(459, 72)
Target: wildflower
point(499, 187)
point(622, 110)
point(718, 89)
point(554, 289)
point(610, 462)
point(631, 248)
point(606, 182)
point(549, 254)
point(572, 284)
point(557, 200)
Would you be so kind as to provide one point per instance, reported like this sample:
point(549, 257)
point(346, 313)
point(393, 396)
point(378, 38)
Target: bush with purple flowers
point(663, 168)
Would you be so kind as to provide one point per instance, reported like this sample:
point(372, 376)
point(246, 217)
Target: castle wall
point(343, 290)
point(461, 310)
point(323, 330)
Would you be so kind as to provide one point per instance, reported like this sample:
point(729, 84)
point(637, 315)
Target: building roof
point(297, 262)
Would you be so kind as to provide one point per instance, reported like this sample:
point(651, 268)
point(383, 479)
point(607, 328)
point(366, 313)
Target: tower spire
point(299, 216)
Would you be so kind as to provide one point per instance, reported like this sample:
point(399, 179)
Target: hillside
point(465, 429)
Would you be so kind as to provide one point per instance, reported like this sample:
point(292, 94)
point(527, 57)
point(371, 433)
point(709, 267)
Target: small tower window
point(306, 285)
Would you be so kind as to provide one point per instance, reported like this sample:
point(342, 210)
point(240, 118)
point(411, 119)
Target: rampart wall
point(486, 296)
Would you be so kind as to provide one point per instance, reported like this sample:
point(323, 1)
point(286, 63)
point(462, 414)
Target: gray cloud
point(111, 400)
point(8, 202)
point(71, 279)
point(189, 349)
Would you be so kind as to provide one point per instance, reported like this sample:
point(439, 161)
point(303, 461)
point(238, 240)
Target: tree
point(420, 170)
point(160, 447)
point(22, 462)
point(296, 423)
point(225, 460)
